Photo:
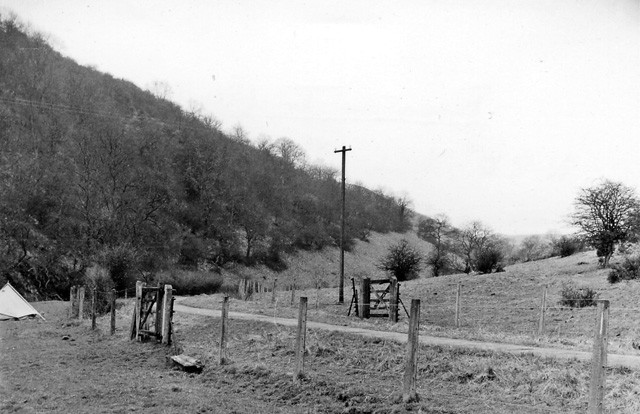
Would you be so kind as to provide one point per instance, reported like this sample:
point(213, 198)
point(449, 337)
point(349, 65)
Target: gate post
point(365, 291)
point(166, 315)
point(139, 286)
point(394, 293)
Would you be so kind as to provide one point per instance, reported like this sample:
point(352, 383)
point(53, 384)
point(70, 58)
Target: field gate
point(380, 298)
point(153, 313)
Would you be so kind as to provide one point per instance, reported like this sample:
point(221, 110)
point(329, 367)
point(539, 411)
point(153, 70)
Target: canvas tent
point(13, 305)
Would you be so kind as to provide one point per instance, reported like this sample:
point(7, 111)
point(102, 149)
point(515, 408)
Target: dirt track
point(613, 359)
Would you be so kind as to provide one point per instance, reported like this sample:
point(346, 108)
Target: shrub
point(187, 282)
point(628, 270)
point(489, 260)
point(575, 297)
point(98, 278)
point(402, 261)
point(565, 246)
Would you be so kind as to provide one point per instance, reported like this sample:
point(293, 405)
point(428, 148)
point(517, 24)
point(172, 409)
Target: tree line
point(94, 170)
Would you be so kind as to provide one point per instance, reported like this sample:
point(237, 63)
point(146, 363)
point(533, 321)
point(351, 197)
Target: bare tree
point(436, 231)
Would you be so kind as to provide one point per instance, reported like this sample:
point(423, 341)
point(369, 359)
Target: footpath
point(614, 360)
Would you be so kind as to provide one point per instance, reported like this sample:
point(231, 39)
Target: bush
point(566, 246)
point(187, 282)
point(402, 261)
point(575, 297)
point(628, 270)
point(98, 278)
point(489, 260)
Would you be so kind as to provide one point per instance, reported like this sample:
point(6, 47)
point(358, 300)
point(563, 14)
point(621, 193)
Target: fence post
point(166, 315)
point(72, 298)
point(301, 340)
point(458, 296)
point(223, 331)
point(273, 292)
point(293, 289)
point(93, 309)
point(543, 306)
point(365, 292)
point(139, 286)
point(393, 300)
point(410, 373)
point(81, 302)
point(113, 311)
point(599, 361)
point(159, 312)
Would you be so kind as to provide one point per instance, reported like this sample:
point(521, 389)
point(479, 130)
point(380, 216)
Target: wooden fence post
point(81, 302)
point(301, 339)
point(365, 292)
point(93, 309)
point(273, 292)
point(72, 298)
point(410, 373)
point(543, 309)
point(166, 316)
point(113, 311)
point(599, 361)
point(458, 295)
point(393, 300)
point(223, 331)
point(138, 316)
point(293, 289)
point(159, 312)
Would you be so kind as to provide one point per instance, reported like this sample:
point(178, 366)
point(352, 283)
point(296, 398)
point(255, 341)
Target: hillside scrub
point(95, 171)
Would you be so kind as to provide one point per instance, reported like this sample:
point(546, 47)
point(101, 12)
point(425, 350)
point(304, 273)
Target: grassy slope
point(503, 307)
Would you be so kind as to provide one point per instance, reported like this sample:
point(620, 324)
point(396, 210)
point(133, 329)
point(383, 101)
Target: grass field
point(93, 372)
point(62, 366)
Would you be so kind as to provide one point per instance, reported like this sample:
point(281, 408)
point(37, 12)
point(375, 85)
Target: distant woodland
point(96, 171)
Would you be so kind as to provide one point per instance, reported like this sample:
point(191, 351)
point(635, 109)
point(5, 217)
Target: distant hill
point(95, 170)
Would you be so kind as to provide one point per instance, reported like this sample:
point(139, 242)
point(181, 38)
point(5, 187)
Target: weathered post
point(458, 294)
point(393, 300)
point(81, 302)
point(166, 316)
point(301, 340)
point(113, 311)
point(223, 331)
point(159, 312)
point(72, 298)
point(599, 361)
point(139, 286)
point(273, 292)
point(365, 292)
point(543, 306)
point(410, 373)
point(93, 309)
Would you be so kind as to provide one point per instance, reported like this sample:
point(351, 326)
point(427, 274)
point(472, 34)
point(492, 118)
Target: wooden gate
point(152, 315)
point(380, 298)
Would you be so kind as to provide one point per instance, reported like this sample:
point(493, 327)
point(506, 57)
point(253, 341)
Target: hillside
point(96, 171)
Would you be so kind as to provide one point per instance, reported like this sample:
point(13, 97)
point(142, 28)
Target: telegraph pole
point(342, 219)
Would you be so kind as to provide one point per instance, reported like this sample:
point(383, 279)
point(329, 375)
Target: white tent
point(13, 305)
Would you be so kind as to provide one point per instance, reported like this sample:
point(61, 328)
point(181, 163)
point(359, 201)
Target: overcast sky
point(490, 110)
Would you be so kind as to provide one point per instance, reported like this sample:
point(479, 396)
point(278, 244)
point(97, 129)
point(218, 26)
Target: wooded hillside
point(94, 170)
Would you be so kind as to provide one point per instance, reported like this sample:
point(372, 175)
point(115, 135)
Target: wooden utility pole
point(342, 220)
